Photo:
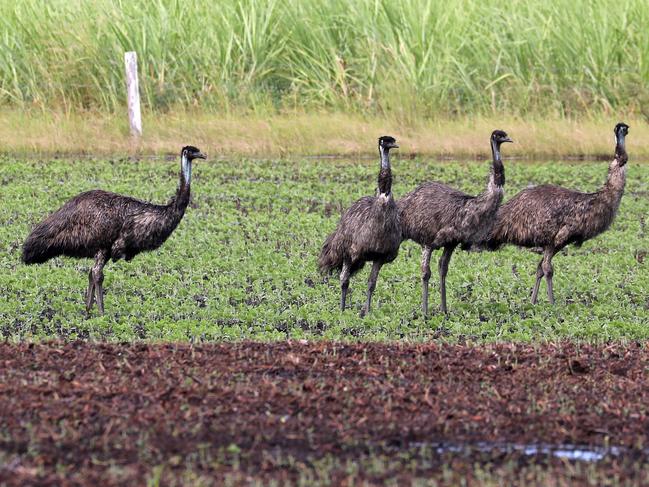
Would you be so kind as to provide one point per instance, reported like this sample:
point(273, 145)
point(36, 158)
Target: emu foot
point(425, 315)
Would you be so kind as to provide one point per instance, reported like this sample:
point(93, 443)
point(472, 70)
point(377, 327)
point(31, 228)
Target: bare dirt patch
point(81, 412)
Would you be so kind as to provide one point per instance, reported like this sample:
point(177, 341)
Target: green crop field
point(408, 58)
point(286, 97)
point(242, 263)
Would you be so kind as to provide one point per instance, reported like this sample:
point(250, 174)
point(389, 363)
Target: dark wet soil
point(82, 413)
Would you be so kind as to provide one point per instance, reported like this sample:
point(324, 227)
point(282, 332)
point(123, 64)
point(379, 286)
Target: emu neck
point(612, 191)
point(615, 182)
point(498, 169)
point(185, 170)
point(489, 201)
point(617, 170)
point(385, 175)
point(181, 200)
point(620, 150)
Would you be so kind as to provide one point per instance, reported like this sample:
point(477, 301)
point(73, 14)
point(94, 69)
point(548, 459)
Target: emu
point(368, 231)
point(437, 216)
point(106, 225)
point(551, 217)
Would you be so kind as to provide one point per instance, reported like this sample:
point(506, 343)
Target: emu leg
point(548, 271)
point(537, 284)
point(344, 285)
point(371, 285)
point(90, 292)
point(98, 279)
point(425, 277)
point(443, 270)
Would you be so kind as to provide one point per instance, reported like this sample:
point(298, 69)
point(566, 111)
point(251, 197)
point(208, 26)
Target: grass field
point(297, 134)
point(241, 265)
point(275, 77)
point(410, 59)
point(287, 97)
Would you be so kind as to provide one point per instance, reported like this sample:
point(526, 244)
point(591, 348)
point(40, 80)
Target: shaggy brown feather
point(438, 216)
point(368, 231)
point(99, 220)
point(552, 217)
point(106, 225)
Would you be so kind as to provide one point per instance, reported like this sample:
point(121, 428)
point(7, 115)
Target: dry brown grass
point(295, 134)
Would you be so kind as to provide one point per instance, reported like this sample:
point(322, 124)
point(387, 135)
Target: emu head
point(187, 155)
point(621, 130)
point(500, 136)
point(386, 142)
point(190, 153)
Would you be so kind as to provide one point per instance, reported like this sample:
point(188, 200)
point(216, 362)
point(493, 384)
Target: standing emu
point(106, 225)
point(368, 231)
point(437, 216)
point(551, 217)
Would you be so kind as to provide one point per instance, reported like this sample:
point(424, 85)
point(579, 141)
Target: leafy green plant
point(242, 263)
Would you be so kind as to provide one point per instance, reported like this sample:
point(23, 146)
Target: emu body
point(551, 217)
point(102, 225)
point(368, 231)
point(437, 216)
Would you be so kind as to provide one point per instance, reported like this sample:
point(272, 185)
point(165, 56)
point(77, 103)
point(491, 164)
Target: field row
point(242, 263)
point(321, 414)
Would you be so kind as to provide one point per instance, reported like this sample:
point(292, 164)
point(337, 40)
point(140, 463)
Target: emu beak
point(508, 140)
point(200, 155)
point(394, 146)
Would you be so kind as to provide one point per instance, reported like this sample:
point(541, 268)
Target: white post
point(133, 93)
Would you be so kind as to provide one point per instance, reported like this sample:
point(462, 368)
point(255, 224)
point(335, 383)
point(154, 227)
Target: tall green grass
point(405, 57)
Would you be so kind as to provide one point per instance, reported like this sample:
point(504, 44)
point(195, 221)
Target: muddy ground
point(83, 413)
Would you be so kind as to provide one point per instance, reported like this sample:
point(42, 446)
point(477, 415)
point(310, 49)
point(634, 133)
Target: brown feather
point(437, 216)
point(99, 220)
point(550, 217)
point(368, 231)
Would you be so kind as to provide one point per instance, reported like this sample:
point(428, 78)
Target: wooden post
point(133, 93)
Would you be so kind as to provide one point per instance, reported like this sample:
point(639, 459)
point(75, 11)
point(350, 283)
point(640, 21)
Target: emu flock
point(437, 216)
point(102, 225)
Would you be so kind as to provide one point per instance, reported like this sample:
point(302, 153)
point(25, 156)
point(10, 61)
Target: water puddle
point(582, 453)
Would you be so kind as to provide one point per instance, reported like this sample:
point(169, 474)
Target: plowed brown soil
point(84, 413)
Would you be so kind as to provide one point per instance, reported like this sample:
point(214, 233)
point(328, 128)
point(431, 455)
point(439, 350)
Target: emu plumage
point(551, 217)
point(368, 231)
point(437, 216)
point(103, 225)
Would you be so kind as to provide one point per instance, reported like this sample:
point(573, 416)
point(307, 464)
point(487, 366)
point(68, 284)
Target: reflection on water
point(569, 452)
